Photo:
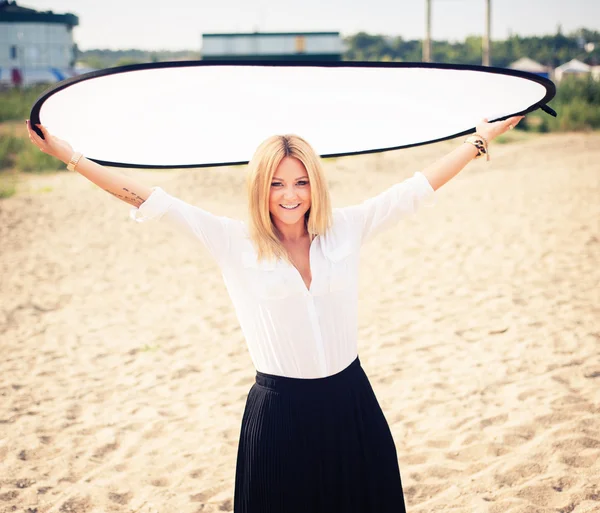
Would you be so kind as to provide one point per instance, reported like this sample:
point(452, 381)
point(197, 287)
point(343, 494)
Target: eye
point(275, 184)
point(303, 182)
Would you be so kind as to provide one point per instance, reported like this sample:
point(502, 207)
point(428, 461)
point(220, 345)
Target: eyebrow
point(282, 180)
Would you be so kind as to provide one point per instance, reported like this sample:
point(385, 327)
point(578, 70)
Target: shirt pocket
point(267, 280)
point(340, 267)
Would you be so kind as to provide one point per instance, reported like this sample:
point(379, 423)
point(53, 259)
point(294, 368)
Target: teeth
point(290, 206)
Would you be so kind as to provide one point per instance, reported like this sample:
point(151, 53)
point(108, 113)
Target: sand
point(124, 374)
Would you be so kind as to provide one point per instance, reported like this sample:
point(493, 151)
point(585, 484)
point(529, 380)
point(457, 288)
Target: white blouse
point(291, 330)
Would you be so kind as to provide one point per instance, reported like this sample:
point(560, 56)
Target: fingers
point(503, 126)
point(30, 129)
point(40, 127)
point(509, 121)
point(34, 137)
point(43, 129)
point(512, 122)
point(32, 134)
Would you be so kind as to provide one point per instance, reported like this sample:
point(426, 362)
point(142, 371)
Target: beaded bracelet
point(481, 144)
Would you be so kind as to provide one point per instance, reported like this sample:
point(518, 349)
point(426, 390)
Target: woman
point(313, 437)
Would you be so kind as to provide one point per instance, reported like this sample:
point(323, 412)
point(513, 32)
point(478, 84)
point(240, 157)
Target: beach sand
point(124, 373)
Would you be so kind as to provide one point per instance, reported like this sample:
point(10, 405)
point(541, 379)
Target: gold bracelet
point(75, 158)
point(481, 144)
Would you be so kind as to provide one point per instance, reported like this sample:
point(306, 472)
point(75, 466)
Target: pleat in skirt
point(318, 445)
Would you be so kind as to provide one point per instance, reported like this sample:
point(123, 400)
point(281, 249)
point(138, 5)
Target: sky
point(179, 24)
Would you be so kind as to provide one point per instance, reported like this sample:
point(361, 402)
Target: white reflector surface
point(187, 114)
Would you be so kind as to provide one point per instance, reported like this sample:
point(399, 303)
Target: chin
point(289, 217)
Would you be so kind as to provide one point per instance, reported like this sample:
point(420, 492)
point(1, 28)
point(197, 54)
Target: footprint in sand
point(540, 495)
point(438, 444)
point(439, 472)
point(520, 473)
point(589, 426)
point(415, 459)
point(536, 394)
point(572, 403)
point(197, 473)
point(206, 495)
point(577, 444)
point(9, 496)
point(160, 482)
point(226, 505)
point(76, 505)
point(105, 449)
point(120, 498)
point(73, 411)
point(592, 372)
point(564, 483)
point(579, 460)
point(477, 452)
point(519, 435)
point(551, 419)
point(423, 492)
point(492, 421)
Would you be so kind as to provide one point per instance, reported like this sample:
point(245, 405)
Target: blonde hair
point(262, 167)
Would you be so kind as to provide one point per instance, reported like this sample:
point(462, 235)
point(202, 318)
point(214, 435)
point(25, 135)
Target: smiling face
point(289, 197)
point(285, 171)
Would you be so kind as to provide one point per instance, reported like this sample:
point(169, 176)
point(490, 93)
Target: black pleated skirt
point(317, 445)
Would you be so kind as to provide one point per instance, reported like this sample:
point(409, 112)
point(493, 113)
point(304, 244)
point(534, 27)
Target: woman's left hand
point(492, 130)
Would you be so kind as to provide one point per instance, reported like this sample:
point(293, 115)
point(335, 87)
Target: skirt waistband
point(281, 383)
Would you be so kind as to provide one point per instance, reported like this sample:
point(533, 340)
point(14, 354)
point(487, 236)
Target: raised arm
point(383, 210)
point(215, 233)
point(450, 165)
point(125, 188)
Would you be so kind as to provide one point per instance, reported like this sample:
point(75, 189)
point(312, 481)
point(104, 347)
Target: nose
point(289, 193)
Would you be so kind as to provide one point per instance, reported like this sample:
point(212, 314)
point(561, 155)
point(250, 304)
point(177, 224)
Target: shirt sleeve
point(382, 211)
point(213, 232)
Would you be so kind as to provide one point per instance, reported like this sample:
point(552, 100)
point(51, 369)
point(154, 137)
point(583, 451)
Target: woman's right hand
point(50, 144)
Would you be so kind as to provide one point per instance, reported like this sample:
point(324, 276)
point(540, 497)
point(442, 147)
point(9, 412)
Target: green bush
point(18, 153)
point(573, 87)
point(577, 104)
point(32, 159)
point(15, 104)
point(8, 185)
point(10, 146)
point(576, 115)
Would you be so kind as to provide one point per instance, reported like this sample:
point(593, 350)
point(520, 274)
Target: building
point(35, 47)
point(531, 66)
point(273, 46)
point(573, 67)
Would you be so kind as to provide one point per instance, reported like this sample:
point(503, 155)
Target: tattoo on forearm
point(132, 197)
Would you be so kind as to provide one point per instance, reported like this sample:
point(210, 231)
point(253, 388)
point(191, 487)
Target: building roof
point(10, 12)
point(268, 34)
point(527, 64)
point(574, 66)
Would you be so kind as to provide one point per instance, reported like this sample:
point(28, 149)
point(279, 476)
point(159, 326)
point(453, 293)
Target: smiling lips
point(290, 207)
